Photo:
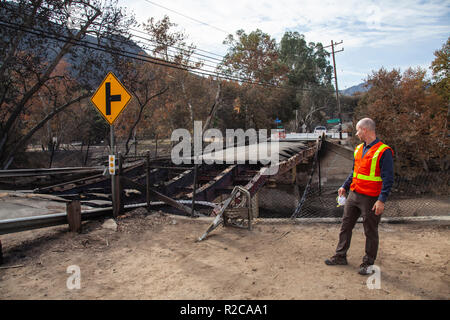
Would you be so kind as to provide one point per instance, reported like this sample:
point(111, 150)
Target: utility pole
point(333, 44)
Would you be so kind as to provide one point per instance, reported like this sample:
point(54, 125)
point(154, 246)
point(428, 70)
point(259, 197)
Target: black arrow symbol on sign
point(110, 98)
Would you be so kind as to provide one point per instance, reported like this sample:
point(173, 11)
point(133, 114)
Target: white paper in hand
point(341, 200)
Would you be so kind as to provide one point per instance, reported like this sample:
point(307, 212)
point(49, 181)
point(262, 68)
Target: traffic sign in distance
point(111, 98)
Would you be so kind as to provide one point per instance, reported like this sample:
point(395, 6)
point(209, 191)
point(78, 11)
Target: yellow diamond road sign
point(111, 98)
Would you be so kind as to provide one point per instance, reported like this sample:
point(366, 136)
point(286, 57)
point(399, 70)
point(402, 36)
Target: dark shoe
point(364, 269)
point(336, 260)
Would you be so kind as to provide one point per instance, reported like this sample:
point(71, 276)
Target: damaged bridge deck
point(158, 182)
point(177, 182)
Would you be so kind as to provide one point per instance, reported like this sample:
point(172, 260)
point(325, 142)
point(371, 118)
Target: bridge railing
point(307, 136)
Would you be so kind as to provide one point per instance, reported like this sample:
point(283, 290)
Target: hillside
point(81, 58)
point(352, 90)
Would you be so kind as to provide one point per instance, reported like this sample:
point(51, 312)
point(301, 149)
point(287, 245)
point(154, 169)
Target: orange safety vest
point(366, 172)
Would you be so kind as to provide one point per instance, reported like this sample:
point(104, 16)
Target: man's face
point(360, 132)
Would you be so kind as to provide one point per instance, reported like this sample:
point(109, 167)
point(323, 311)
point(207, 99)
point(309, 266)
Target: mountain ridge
point(354, 89)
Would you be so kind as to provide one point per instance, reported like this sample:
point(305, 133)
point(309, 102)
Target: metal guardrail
point(57, 219)
point(49, 171)
point(50, 220)
point(306, 136)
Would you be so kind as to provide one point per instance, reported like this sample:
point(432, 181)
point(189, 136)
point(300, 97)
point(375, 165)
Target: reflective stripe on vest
point(373, 165)
point(357, 149)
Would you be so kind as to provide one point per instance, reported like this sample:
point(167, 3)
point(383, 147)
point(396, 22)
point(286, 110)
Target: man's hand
point(342, 192)
point(378, 207)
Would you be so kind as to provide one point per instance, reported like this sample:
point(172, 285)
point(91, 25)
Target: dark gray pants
point(359, 204)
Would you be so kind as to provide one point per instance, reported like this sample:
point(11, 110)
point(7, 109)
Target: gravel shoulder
point(156, 256)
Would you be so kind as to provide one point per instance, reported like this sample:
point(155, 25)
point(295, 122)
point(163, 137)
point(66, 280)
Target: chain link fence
point(423, 195)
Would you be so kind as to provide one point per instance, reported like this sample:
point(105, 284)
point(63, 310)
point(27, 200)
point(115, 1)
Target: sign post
point(112, 170)
point(110, 99)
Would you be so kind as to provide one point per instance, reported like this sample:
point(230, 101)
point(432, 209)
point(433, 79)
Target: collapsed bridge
point(185, 189)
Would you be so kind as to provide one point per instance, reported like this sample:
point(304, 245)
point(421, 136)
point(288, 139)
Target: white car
point(320, 130)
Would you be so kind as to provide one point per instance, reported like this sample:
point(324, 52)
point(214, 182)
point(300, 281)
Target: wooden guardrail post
point(73, 209)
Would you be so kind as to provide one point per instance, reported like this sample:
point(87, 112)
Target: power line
point(162, 62)
point(190, 18)
point(183, 50)
point(151, 40)
point(130, 42)
point(140, 57)
point(215, 54)
point(79, 42)
point(172, 46)
point(186, 50)
point(204, 57)
point(201, 60)
point(172, 50)
point(144, 58)
point(120, 52)
point(173, 56)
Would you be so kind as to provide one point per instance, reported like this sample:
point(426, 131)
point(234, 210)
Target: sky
point(375, 34)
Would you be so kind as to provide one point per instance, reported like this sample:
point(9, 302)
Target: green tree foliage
point(301, 69)
point(441, 70)
point(310, 74)
point(253, 56)
point(307, 63)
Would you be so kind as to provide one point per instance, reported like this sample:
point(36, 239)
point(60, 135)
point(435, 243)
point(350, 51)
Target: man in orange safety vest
point(369, 185)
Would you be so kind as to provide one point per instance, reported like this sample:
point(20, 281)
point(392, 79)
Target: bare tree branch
point(142, 107)
point(24, 139)
point(27, 96)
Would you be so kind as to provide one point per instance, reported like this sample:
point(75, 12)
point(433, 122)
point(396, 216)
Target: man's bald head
point(367, 123)
point(365, 130)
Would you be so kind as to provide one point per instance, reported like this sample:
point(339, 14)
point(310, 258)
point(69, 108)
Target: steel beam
point(47, 172)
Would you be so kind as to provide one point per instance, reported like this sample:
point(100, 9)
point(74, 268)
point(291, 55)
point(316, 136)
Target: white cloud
point(373, 24)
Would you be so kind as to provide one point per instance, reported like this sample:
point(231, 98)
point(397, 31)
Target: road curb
point(387, 220)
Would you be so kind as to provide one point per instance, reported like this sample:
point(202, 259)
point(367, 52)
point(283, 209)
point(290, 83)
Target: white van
point(320, 130)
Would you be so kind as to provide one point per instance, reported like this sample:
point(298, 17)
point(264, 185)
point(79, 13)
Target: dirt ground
point(156, 257)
